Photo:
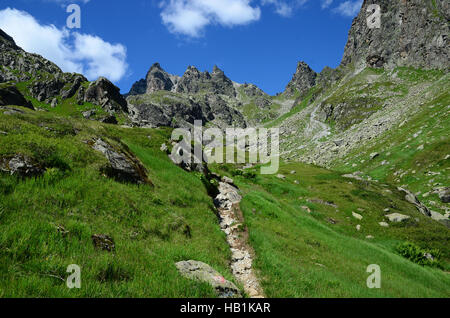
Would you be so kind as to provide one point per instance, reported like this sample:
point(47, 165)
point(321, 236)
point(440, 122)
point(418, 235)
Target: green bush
point(419, 255)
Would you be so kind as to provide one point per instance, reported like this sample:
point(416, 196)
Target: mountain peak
point(303, 79)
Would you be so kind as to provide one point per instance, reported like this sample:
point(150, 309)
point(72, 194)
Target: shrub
point(418, 255)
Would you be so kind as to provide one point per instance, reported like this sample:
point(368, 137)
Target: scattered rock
point(397, 217)
point(21, 165)
point(164, 148)
point(89, 113)
point(357, 216)
point(280, 176)
point(203, 272)
point(293, 172)
point(444, 219)
point(358, 227)
point(383, 224)
point(374, 155)
point(227, 180)
point(444, 194)
point(369, 237)
point(103, 242)
point(307, 209)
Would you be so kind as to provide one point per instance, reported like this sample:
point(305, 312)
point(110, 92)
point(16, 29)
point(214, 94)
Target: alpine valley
point(86, 175)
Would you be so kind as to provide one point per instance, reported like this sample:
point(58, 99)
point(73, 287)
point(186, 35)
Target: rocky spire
point(412, 33)
point(157, 79)
point(303, 79)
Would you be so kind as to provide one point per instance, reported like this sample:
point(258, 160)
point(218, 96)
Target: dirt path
point(227, 203)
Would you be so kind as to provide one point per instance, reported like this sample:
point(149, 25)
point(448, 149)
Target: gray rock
point(383, 224)
point(21, 165)
point(89, 113)
point(397, 217)
point(203, 272)
point(374, 155)
point(413, 33)
point(444, 194)
point(123, 166)
point(357, 216)
point(411, 198)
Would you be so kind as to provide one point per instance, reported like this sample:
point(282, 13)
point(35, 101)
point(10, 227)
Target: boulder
point(411, 198)
point(203, 272)
point(123, 166)
point(397, 217)
point(444, 194)
point(21, 165)
point(357, 216)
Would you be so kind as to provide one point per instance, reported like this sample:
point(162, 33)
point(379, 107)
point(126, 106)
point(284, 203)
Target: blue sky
point(253, 41)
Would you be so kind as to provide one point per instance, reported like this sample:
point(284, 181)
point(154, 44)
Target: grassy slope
point(147, 224)
point(304, 255)
point(402, 160)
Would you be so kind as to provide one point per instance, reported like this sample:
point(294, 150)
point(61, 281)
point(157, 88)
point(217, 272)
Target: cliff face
point(412, 33)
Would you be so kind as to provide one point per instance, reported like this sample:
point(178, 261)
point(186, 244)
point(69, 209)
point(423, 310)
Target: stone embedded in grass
point(397, 217)
point(123, 166)
point(444, 194)
point(358, 227)
point(103, 242)
point(293, 172)
point(296, 182)
point(21, 165)
point(411, 198)
point(374, 155)
point(369, 237)
point(203, 272)
point(357, 216)
point(280, 176)
point(307, 209)
point(227, 180)
point(383, 224)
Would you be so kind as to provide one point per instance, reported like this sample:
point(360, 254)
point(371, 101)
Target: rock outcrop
point(412, 33)
point(303, 79)
point(21, 165)
point(203, 272)
point(105, 94)
point(122, 165)
point(10, 95)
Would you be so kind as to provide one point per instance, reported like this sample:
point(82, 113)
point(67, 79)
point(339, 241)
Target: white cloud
point(349, 8)
point(285, 8)
point(190, 17)
point(326, 3)
point(72, 51)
